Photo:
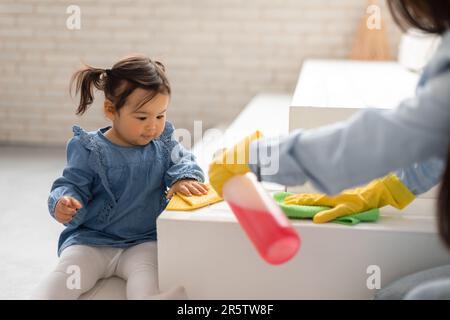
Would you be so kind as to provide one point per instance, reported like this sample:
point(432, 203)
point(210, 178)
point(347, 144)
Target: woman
point(414, 137)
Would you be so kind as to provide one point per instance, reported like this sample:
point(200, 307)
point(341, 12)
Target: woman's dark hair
point(443, 205)
point(431, 16)
point(120, 81)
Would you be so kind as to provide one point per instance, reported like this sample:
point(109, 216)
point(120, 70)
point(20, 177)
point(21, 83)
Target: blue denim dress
point(122, 189)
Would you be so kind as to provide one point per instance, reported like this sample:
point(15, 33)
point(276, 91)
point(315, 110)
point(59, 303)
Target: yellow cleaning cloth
point(180, 202)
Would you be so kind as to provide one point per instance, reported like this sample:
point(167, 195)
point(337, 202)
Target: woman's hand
point(66, 208)
point(188, 187)
point(381, 192)
point(231, 162)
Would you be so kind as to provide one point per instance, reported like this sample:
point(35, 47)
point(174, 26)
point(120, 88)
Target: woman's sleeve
point(369, 145)
point(421, 177)
point(76, 180)
point(182, 163)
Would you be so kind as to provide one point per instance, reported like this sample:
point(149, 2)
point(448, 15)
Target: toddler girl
point(115, 182)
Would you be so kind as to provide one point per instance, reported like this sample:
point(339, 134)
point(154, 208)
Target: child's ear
point(108, 109)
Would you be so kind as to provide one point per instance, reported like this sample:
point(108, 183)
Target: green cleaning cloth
point(307, 212)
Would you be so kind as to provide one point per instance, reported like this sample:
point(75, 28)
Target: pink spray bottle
point(261, 218)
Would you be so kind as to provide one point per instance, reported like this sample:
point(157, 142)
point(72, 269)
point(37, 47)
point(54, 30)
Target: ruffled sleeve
point(85, 160)
point(77, 176)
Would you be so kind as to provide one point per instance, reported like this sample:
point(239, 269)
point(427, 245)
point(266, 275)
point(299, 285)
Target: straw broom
point(371, 44)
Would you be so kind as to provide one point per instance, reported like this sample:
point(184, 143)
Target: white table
point(207, 252)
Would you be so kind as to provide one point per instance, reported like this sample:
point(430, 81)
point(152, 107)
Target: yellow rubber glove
point(388, 190)
point(231, 162)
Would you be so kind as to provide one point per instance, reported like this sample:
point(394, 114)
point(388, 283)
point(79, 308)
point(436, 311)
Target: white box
point(330, 91)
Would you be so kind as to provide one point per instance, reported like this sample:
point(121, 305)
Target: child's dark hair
point(432, 16)
point(120, 81)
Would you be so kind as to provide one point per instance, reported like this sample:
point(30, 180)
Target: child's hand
point(188, 188)
point(66, 208)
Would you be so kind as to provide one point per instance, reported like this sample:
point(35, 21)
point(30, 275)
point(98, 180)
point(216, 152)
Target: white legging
point(80, 267)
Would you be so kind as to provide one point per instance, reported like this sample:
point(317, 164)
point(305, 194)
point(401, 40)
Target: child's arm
point(75, 181)
point(182, 162)
point(182, 167)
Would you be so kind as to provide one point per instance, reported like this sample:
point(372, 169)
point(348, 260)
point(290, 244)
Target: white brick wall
point(219, 53)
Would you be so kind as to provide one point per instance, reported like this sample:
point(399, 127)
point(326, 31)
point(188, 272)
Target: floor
point(29, 234)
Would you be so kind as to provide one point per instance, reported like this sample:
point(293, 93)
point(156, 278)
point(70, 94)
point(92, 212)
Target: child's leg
point(138, 265)
point(78, 270)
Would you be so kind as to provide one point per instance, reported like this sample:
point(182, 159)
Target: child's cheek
point(138, 130)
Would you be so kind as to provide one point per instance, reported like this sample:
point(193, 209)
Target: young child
point(114, 184)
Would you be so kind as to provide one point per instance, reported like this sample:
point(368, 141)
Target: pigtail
point(84, 81)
